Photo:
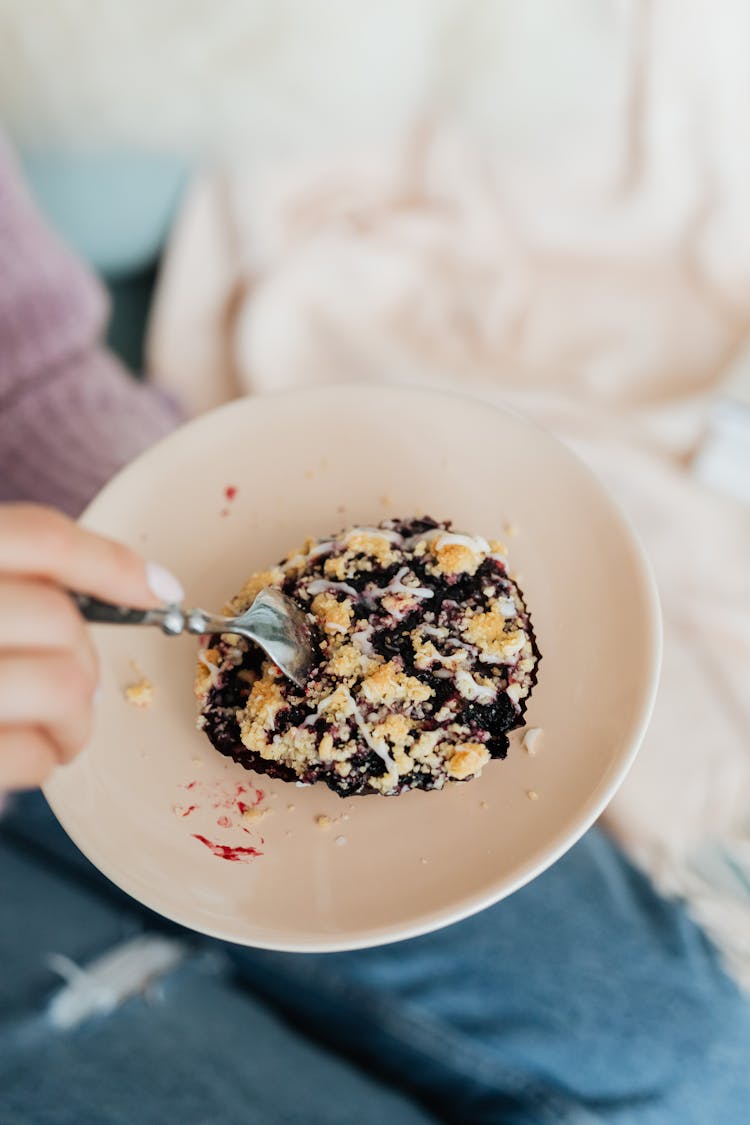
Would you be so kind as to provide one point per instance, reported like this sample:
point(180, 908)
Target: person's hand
point(48, 664)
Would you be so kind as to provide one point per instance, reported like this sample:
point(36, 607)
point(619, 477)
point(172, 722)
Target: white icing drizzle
point(424, 537)
point(456, 642)
point(438, 631)
point(361, 641)
point(321, 585)
point(396, 586)
point(476, 543)
point(319, 549)
point(313, 717)
point(470, 689)
point(379, 747)
point(506, 607)
point(378, 532)
point(450, 662)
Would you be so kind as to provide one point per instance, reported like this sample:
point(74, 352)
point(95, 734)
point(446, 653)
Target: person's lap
point(583, 997)
point(194, 1048)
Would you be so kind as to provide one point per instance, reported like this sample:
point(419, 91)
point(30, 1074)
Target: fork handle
point(171, 620)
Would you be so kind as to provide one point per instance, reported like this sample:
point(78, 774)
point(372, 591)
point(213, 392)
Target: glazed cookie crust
point(425, 660)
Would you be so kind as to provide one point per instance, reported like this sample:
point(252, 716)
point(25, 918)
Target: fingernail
point(163, 584)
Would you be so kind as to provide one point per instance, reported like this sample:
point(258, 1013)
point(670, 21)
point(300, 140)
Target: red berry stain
point(230, 492)
point(224, 512)
point(223, 851)
point(243, 807)
point(224, 822)
point(188, 810)
point(223, 796)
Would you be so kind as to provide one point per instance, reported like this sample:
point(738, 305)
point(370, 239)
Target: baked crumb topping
point(468, 760)
point(425, 657)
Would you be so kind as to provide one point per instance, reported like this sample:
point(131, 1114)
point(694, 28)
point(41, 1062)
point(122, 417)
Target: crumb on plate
point(256, 813)
point(532, 740)
point(140, 694)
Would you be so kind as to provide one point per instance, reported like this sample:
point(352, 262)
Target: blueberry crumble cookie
point(425, 659)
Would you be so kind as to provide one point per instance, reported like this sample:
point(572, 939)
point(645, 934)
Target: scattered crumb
point(197, 761)
point(385, 500)
point(309, 474)
point(140, 694)
point(483, 805)
point(255, 814)
point(345, 816)
point(288, 832)
point(511, 530)
point(532, 739)
point(291, 808)
point(423, 860)
point(532, 794)
point(341, 840)
point(323, 821)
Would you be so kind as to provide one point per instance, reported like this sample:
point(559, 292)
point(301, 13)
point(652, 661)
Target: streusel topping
point(425, 659)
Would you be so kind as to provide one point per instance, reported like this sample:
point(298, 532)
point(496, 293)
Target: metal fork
point(273, 622)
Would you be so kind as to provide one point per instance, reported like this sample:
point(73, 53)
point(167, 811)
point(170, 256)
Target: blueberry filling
point(425, 661)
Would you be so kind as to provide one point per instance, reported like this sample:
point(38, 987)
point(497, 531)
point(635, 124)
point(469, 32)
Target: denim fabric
point(195, 1049)
point(582, 998)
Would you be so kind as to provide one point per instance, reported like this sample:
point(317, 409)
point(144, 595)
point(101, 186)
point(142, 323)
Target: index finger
point(43, 543)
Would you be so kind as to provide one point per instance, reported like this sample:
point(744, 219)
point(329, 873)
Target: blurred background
point(546, 204)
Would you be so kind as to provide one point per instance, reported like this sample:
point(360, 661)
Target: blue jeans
point(583, 998)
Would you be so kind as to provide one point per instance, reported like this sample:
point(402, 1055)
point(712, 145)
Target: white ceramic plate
point(387, 868)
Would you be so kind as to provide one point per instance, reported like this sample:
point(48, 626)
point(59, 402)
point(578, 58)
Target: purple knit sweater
point(70, 415)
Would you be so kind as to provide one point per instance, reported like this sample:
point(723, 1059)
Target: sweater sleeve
point(70, 415)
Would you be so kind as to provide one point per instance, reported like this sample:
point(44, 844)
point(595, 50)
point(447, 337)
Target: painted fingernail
point(163, 584)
